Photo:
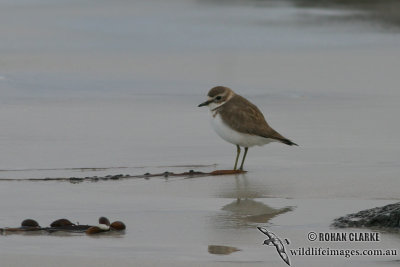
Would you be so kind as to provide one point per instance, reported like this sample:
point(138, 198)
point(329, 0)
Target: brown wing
point(245, 117)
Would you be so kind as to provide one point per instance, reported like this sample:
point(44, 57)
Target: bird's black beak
point(205, 103)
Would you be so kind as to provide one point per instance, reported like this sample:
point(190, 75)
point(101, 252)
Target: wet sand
point(174, 221)
point(113, 102)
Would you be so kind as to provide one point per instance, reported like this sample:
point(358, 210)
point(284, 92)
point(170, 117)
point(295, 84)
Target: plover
point(238, 121)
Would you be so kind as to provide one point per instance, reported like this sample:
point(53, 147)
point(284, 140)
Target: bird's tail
point(287, 142)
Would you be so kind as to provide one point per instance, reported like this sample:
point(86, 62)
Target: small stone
point(94, 230)
point(61, 223)
point(118, 225)
point(104, 220)
point(29, 223)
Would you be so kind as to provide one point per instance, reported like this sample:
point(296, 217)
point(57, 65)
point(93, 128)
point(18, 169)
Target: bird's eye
point(218, 97)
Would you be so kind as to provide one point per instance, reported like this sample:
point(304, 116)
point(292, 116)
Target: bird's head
point(218, 96)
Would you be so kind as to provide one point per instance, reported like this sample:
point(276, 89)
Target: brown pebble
point(29, 223)
point(94, 230)
point(61, 223)
point(104, 220)
point(221, 250)
point(118, 225)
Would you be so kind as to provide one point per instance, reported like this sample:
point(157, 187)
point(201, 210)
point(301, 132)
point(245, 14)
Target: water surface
point(98, 87)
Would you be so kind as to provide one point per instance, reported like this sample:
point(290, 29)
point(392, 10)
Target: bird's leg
point(244, 157)
point(237, 156)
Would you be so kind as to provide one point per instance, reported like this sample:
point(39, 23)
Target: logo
point(273, 240)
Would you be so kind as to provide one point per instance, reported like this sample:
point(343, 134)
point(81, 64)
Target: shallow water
point(97, 88)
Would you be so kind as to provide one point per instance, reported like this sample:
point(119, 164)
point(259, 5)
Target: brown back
point(242, 116)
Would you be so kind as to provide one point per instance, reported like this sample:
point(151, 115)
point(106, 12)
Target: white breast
point(234, 137)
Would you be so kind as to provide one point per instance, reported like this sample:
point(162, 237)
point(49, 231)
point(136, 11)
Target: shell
point(93, 230)
point(118, 225)
point(61, 223)
point(104, 220)
point(104, 227)
point(29, 223)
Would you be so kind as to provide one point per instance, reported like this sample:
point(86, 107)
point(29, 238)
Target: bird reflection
point(245, 211)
